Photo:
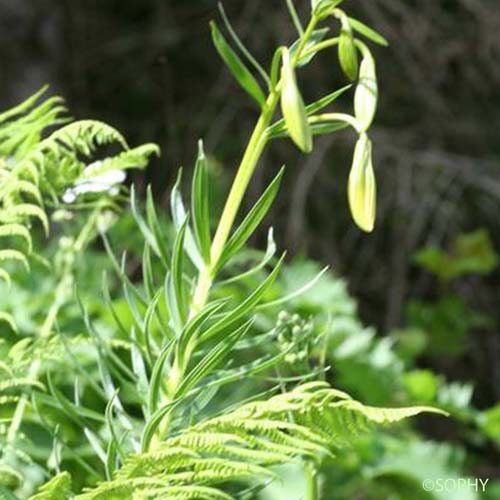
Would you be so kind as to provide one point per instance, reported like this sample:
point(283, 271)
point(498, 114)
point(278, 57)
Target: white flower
point(91, 181)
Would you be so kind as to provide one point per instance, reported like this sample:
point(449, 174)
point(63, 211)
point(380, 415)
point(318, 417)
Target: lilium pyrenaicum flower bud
point(293, 108)
point(362, 186)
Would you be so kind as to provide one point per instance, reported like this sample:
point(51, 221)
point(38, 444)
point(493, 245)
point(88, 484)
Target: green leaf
point(490, 422)
point(229, 319)
point(275, 67)
point(147, 273)
point(316, 37)
point(278, 129)
point(317, 128)
point(327, 128)
point(157, 378)
point(296, 293)
point(156, 229)
point(141, 223)
point(175, 289)
point(241, 46)
point(422, 385)
point(7, 318)
point(179, 217)
point(17, 230)
point(368, 32)
point(214, 358)
point(59, 487)
point(268, 255)
point(115, 441)
point(323, 8)
point(251, 221)
point(470, 253)
point(196, 323)
point(236, 66)
point(200, 205)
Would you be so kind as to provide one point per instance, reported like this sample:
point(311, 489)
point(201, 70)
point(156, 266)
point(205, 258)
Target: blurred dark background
point(148, 67)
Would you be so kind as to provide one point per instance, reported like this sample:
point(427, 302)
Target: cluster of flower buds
point(361, 183)
point(300, 122)
point(294, 336)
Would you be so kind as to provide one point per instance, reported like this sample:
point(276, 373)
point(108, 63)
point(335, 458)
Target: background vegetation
point(424, 325)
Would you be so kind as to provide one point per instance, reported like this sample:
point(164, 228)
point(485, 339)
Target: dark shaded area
point(149, 68)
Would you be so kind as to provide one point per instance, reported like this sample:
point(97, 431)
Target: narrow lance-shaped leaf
point(200, 206)
point(251, 221)
point(278, 129)
point(236, 66)
point(316, 37)
point(244, 307)
point(368, 32)
point(179, 217)
point(366, 95)
point(156, 228)
point(322, 8)
point(293, 108)
point(174, 286)
point(362, 186)
point(214, 357)
point(348, 55)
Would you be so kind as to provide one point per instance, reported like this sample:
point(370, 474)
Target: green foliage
point(58, 487)
point(234, 447)
point(36, 171)
point(199, 366)
point(470, 253)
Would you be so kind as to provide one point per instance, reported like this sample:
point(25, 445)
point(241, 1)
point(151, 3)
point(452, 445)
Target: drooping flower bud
point(366, 95)
point(293, 108)
point(348, 54)
point(361, 186)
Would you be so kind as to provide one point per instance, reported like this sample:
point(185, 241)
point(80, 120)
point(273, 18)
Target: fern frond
point(35, 170)
point(238, 446)
point(5, 317)
point(59, 487)
point(19, 382)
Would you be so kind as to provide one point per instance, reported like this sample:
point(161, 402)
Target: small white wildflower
point(91, 181)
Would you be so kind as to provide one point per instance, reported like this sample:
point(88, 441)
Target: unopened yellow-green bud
point(366, 95)
point(362, 187)
point(348, 54)
point(293, 108)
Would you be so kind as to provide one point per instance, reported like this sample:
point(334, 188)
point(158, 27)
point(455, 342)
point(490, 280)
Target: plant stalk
point(312, 492)
point(249, 161)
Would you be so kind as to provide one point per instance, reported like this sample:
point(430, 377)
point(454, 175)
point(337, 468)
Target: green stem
point(331, 42)
point(305, 38)
point(254, 150)
point(249, 161)
point(312, 492)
